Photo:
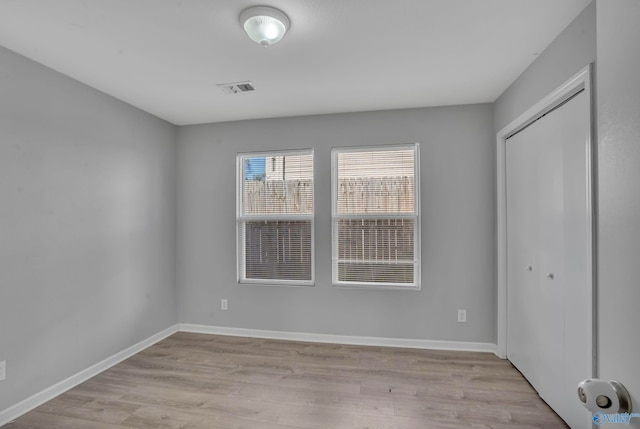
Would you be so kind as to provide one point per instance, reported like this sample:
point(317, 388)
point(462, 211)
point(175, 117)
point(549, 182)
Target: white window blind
point(376, 217)
point(275, 217)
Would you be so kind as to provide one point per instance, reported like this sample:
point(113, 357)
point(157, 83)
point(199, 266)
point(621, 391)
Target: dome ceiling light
point(264, 25)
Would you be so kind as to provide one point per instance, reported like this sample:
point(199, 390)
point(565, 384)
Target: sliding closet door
point(523, 336)
point(548, 137)
point(548, 255)
point(534, 221)
point(574, 122)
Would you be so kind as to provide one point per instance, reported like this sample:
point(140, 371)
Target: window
point(275, 218)
point(375, 217)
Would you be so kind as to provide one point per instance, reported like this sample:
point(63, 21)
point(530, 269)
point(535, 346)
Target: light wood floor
point(195, 381)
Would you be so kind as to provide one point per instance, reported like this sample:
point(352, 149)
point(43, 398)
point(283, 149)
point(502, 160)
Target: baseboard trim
point(15, 411)
point(340, 339)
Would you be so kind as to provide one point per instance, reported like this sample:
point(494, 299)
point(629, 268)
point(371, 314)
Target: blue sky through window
point(254, 168)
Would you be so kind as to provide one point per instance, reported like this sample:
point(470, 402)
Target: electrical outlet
point(3, 370)
point(462, 316)
point(224, 304)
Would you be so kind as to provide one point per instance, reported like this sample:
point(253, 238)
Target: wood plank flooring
point(196, 381)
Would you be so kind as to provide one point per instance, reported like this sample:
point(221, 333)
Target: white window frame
point(241, 218)
point(415, 216)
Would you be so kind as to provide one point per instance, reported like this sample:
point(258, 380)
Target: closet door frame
point(580, 81)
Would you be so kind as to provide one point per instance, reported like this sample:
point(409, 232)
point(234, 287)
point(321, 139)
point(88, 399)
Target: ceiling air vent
point(236, 87)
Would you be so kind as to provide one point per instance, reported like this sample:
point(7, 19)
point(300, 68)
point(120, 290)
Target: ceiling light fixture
point(264, 25)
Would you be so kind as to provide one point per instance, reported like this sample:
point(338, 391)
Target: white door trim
point(580, 81)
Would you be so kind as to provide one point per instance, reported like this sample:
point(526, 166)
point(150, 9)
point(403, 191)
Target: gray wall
point(457, 180)
point(573, 49)
point(618, 110)
point(87, 211)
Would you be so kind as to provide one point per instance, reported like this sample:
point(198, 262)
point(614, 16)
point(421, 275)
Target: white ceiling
point(166, 56)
